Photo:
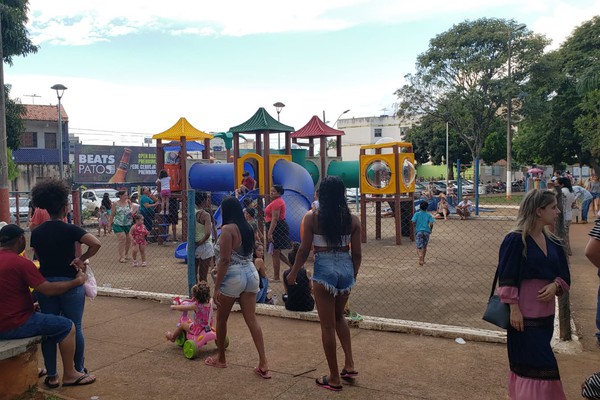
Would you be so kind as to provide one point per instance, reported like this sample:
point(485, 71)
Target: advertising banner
point(114, 164)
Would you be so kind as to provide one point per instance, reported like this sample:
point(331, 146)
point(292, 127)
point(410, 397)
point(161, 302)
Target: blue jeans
point(70, 305)
point(585, 206)
point(53, 328)
point(261, 296)
point(335, 271)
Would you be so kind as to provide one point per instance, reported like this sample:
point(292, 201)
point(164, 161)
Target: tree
point(15, 112)
point(464, 74)
point(15, 40)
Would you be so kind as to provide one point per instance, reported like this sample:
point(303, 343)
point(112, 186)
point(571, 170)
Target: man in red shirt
point(248, 184)
point(18, 319)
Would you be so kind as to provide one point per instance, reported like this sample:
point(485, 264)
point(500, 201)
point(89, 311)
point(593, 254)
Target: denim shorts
point(422, 239)
point(335, 271)
point(238, 279)
point(52, 327)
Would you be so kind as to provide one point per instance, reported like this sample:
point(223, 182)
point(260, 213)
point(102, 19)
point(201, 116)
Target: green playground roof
point(261, 121)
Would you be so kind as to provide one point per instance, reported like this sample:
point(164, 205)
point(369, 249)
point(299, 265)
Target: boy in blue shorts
point(423, 225)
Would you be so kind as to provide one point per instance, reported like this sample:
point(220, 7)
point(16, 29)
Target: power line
point(108, 131)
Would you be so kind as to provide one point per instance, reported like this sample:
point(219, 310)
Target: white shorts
point(205, 251)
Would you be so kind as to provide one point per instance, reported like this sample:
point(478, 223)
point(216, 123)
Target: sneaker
point(135, 263)
point(144, 264)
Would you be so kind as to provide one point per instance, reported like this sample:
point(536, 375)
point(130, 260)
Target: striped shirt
point(595, 232)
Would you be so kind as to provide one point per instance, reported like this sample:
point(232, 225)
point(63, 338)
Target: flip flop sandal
point(42, 372)
point(80, 381)
point(326, 385)
point(50, 385)
point(211, 362)
point(354, 316)
point(263, 374)
point(348, 374)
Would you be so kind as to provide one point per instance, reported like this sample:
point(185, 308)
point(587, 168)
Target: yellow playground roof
point(182, 128)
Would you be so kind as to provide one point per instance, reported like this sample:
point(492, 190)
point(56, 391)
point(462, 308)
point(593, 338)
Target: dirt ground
point(451, 288)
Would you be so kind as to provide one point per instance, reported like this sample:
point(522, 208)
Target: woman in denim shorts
point(335, 234)
point(236, 278)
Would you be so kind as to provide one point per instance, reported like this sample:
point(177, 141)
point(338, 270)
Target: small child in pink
point(201, 306)
point(138, 233)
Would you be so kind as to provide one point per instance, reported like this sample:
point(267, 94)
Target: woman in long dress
point(533, 270)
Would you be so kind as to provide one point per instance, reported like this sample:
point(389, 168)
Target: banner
point(114, 164)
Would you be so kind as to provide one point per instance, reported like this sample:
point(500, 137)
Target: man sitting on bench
point(18, 319)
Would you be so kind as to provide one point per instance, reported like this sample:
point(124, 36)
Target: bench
point(18, 366)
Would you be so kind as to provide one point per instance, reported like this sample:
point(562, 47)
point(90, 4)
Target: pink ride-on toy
point(198, 336)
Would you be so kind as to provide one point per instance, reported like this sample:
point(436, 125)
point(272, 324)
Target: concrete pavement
point(126, 350)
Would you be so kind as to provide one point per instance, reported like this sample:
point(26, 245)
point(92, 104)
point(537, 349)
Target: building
point(368, 130)
point(38, 154)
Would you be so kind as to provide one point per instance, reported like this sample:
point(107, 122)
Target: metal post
point(508, 128)
point(191, 235)
point(60, 138)
point(447, 159)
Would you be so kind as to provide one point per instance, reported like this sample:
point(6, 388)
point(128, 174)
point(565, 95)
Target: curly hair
point(334, 215)
point(52, 195)
point(201, 292)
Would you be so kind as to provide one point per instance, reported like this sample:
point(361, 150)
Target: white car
point(23, 209)
point(468, 187)
point(92, 198)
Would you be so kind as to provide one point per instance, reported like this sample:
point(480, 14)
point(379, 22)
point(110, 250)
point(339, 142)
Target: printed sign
point(114, 164)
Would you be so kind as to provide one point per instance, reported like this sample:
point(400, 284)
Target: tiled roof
point(38, 112)
point(316, 128)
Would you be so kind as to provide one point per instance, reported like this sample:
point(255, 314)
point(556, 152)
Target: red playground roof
point(316, 128)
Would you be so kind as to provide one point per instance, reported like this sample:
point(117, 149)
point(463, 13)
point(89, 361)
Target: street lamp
point(338, 118)
point(60, 90)
point(278, 107)
point(508, 114)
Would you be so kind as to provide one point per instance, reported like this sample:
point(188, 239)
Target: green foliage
point(15, 112)
point(14, 34)
point(463, 75)
point(13, 171)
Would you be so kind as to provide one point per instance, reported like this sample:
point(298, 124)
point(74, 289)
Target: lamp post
point(60, 90)
point(338, 118)
point(278, 107)
point(509, 114)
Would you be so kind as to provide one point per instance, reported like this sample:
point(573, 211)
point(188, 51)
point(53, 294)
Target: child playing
point(163, 184)
point(248, 184)
point(423, 225)
point(259, 263)
point(138, 233)
point(204, 229)
point(102, 220)
point(201, 305)
point(299, 296)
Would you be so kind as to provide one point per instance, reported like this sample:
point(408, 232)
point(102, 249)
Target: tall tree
point(464, 74)
point(15, 40)
point(15, 111)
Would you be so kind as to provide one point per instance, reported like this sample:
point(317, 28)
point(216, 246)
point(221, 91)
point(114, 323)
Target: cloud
point(77, 22)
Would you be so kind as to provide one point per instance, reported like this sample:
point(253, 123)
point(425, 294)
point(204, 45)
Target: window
point(377, 132)
point(50, 140)
point(29, 139)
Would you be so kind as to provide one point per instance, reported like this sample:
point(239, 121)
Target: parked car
point(92, 198)
point(351, 195)
point(23, 208)
point(469, 188)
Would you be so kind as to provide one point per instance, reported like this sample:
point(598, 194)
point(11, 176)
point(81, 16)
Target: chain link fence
point(451, 288)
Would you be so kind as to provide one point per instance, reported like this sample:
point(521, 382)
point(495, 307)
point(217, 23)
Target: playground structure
point(298, 170)
point(388, 175)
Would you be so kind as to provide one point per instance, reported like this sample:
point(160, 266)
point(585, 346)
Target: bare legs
point(202, 267)
point(278, 257)
point(421, 253)
point(248, 305)
point(123, 246)
point(331, 315)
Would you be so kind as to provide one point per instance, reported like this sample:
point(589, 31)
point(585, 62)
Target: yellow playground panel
point(390, 170)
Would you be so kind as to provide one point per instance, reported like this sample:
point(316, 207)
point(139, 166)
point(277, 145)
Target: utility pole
point(4, 207)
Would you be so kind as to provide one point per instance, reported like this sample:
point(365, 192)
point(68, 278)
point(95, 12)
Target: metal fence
point(452, 286)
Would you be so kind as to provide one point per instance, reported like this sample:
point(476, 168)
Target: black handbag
point(496, 312)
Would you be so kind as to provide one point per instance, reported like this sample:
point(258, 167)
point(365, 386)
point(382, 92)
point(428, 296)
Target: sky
point(133, 68)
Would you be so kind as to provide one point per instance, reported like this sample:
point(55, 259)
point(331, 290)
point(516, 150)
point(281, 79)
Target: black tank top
point(299, 297)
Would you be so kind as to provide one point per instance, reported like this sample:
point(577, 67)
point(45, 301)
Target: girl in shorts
point(164, 185)
point(203, 239)
point(237, 278)
point(334, 234)
point(138, 233)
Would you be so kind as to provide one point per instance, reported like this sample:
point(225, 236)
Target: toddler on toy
point(201, 305)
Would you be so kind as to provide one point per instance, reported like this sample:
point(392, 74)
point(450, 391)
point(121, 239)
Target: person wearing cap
point(18, 319)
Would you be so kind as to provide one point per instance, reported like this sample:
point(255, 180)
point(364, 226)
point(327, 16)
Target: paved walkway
point(126, 349)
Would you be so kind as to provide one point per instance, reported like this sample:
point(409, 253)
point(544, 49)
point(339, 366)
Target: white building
point(368, 130)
